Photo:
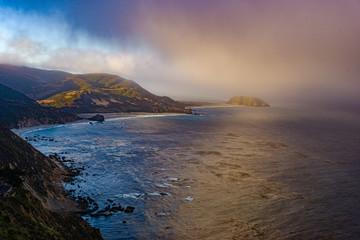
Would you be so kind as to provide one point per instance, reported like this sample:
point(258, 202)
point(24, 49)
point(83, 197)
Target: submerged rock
point(129, 209)
point(116, 209)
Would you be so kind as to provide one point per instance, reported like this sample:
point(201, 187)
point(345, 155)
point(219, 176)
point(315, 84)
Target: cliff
point(32, 201)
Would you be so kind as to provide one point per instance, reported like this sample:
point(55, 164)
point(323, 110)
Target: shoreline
point(76, 204)
point(108, 117)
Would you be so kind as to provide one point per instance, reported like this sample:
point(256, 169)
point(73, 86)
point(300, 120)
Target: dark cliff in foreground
point(32, 201)
point(17, 110)
point(248, 101)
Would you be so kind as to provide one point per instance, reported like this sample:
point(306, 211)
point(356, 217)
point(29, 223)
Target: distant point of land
point(237, 100)
point(248, 101)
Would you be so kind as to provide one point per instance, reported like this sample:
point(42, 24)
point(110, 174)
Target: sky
point(278, 50)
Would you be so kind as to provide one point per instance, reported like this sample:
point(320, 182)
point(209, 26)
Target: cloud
point(197, 49)
point(50, 42)
point(272, 49)
point(83, 61)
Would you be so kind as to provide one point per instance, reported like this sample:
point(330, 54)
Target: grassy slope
point(109, 93)
point(84, 92)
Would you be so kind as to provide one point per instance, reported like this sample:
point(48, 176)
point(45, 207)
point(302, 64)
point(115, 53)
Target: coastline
point(108, 117)
point(72, 204)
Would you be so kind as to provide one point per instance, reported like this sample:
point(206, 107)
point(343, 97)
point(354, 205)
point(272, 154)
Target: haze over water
point(229, 173)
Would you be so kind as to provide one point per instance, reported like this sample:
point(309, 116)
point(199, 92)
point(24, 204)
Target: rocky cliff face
point(248, 101)
point(17, 111)
point(32, 200)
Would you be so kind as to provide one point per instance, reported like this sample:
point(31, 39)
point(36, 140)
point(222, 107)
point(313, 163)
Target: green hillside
point(97, 92)
point(109, 93)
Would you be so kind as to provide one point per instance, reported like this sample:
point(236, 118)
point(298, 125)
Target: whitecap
point(165, 185)
point(160, 194)
point(162, 214)
point(154, 194)
point(189, 198)
point(172, 179)
point(131, 195)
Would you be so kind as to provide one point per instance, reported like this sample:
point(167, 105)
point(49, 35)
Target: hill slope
point(17, 110)
point(28, 189)
point(99, 92)
point(34, 83)
point(248, 101)
point(85, 92)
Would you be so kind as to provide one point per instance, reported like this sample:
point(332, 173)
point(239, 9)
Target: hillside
point(109, 93)
point(32, 204)
point(34, 83)
point(248, 101)
point(85, 92)
point(17, 110)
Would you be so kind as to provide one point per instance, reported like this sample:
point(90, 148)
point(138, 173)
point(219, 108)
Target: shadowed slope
point(17, 110)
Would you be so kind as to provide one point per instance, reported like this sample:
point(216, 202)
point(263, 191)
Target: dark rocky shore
point(33, 202)
point(85, 204)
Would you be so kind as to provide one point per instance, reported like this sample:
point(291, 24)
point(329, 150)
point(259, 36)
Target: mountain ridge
point(93, 92)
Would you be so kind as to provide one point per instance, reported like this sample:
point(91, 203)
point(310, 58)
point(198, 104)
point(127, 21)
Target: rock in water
point(129, 209)
point(97, 117)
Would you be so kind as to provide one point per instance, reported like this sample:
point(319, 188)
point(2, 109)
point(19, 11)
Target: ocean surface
point(227, 173)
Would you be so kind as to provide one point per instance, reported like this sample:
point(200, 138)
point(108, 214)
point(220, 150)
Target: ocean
point(226, 173)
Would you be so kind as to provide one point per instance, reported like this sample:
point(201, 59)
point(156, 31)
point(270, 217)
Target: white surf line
point(26, 130)
point(44, 127)
point(147, 116)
